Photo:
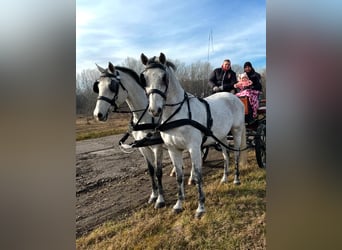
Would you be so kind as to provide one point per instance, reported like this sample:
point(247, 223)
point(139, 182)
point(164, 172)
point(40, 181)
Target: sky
point(184, 30)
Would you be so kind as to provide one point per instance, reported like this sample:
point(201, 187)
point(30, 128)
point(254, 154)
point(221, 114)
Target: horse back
point(227, 110)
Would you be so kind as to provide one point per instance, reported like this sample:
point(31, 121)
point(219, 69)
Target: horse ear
point(111, 68)
point(143, 58)
point(102, 70)
point(162, 58)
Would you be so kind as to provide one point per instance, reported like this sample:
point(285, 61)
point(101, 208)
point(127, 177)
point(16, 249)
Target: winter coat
point(256, 79)
point(215, 79)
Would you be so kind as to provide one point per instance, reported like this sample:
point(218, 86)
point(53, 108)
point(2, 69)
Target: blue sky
point(114, 30)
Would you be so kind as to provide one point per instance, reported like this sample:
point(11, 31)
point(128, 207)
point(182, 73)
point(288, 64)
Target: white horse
point(188, 123)
point(115, 86)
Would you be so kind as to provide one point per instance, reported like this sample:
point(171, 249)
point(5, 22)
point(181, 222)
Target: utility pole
point(210, 49)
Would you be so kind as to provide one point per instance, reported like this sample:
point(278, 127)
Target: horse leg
point(237, 146)
point(192, 180)
point(177, 161)
point(196, 161)
point(154, 194)
point(225, 154)
point(237, 171)
point(239, 156)
point(158, 157)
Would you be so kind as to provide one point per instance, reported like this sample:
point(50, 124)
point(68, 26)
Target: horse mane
point(132, 73)
point(170, 64)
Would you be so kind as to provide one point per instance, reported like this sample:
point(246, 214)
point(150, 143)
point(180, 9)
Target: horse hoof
point(223, 180)
point(159, 205)
point(191, 182)
point(237, 183)
point(152, 200)
point(177, 210)
point(199, 215)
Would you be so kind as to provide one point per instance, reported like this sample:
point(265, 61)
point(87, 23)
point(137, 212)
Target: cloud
point(113, 31)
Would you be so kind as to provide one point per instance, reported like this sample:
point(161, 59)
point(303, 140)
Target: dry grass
point(235, 219)
point(88, 127)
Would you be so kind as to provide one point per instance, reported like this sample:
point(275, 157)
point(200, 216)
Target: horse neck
point(136, 97)
point(175, 94)
point(175, 90)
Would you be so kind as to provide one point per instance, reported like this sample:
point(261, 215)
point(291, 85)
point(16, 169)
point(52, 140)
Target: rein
point(146, 141)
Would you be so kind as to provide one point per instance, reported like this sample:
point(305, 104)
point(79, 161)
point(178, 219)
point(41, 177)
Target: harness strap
point(124, 138)
point(209, 118)
point(146, 126)
point(182, 122)
point(110, 101)
point(140, 118)
point(188, 102)
point(178, 109)
point(148, 140)
point(157, 91)
point(206, 130)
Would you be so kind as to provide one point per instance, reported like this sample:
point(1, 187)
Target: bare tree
point(133, 64)
point(182, 71)
point(193, 77)
point(237, 69)
point(85, 97)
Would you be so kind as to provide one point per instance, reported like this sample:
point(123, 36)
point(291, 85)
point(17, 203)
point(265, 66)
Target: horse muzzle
point(101, 117)
point(155, 112)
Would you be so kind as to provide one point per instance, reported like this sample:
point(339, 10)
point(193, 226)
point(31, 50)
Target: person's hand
point(216, 89)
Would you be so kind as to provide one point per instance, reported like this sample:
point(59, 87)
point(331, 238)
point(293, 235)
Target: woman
point(253, 76)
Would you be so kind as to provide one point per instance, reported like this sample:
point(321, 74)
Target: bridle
point(113, 86)
point(165, 79)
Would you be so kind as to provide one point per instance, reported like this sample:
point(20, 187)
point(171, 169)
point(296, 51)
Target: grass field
point(88, 128)
point(234, 218)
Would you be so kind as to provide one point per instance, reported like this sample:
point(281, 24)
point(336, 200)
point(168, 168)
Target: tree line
point(193, 77)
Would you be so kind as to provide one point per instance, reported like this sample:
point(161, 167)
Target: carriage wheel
point(205, 151)
point(260, 145)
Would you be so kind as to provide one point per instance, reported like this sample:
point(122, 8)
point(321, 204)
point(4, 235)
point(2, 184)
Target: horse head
point(155, 77)
point(108, 89)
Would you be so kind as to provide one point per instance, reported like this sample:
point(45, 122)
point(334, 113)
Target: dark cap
point(247, 64)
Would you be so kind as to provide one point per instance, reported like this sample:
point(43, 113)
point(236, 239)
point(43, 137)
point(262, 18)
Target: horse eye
point(164, 78)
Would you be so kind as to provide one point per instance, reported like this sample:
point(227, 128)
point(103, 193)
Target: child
point(244, 89)
point(243, 82)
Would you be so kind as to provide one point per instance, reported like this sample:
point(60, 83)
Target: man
point(223, 79)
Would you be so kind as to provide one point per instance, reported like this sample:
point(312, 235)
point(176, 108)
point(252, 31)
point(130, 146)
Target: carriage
point(255, 133)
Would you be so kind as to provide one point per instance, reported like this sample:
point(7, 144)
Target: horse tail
point(243, 148)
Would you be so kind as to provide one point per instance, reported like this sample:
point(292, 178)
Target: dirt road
point(111, 184)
